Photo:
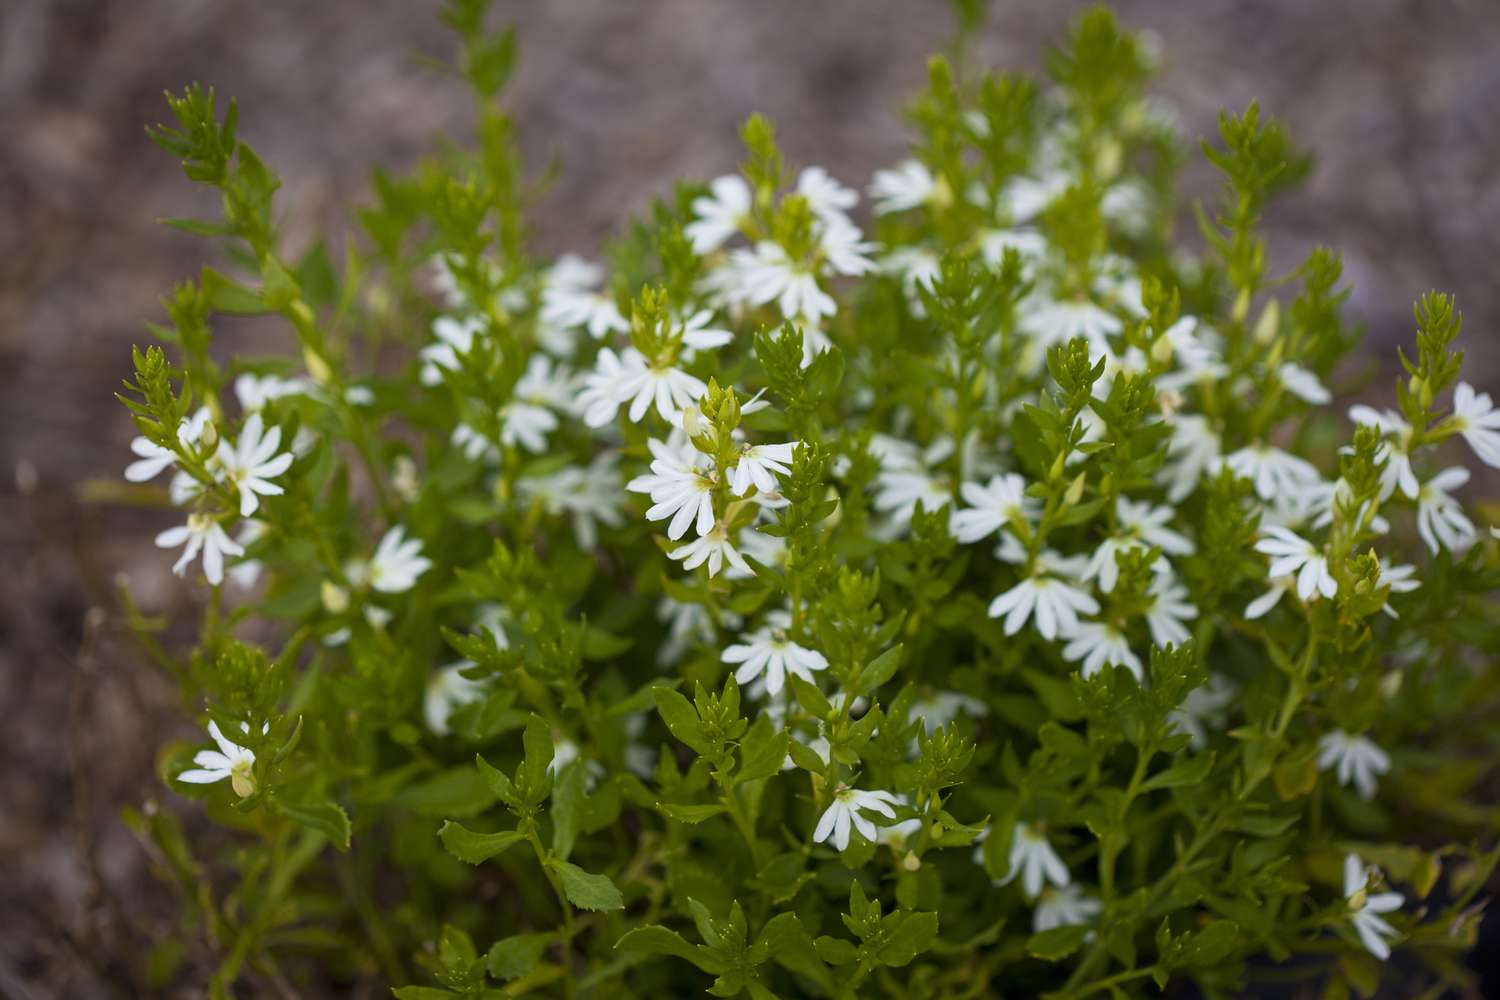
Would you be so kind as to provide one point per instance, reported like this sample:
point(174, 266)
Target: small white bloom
point(1192, 450)
point(1169, 607)
point(1140, 525)
point(255, 391)
point(1024, 198)
point(1028, 243)
point(1400, 579)
point(1272, 470)
point(845, 811)
point(154, 459)
point(825, 196)
point(680, 485)
point(201, 533)
point(230, 761)
point(698, 335)
point(845, 248)
point(1291, 553)
point(992, 506)
point(1034, 860)
point(1357, 759)
point(447, 691)
point(713, 548)
point(670, 388)
point(1050, 323)
point(454, 337)
point(768, 274)
point(250, 465)
point(941, 707)
point(1303, 384)
point(688, 624)
point(1064, 907)
point(604, 388)
point(572, 302)
point(1265, 602)
point(1203, 708)
point(907, 185)
point(917, 267)
point(756, 465)
point(1056, 604)
point(394, 567)
point(1478, 421)
point(768, 650)
point(1441, 520)
point(1100, 644)
point(1395, 450)
point(719, 214)
point(1365, 908)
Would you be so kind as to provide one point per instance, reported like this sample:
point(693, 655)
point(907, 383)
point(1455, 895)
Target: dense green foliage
point(985, 603)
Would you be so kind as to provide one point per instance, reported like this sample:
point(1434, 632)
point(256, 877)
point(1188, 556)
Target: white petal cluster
point(846, 810)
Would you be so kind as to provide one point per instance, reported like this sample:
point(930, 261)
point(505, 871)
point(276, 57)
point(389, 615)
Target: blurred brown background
point(1397, 100)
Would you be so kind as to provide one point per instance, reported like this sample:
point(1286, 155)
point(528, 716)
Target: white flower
point(1059, 322)
point(1399, 579)
point(1192, 450)
point(756, 464)
point(1365, 908)
point(154, 459)
point(1440, 519)
point(671, 389)
point(1064, 907)
point(941, 707)
point(1028, 243)
point(916, 267)
point(828, 199)
point(252, 463)
point(1476, 418)
point(907, 185)
point(1272, 470)
point(1291, 553)
point(589, 494)
point(455, 337)
point(845, 810)
point(1303, 384)
point(246, 572)
point(1272, 597)
point(768, 274)
point(201, 533)
point(688, 624)
point(713, 548)
point(1099, 644)
point(448, 690)
point(1169, 607)
point(1024, 198)
point(1203, 707)
point(1140, 525)
point(681, 487)
point(1357, 759)
point(768, 650)
point(1034, 860)
point(569, 301)
point(394, 567)
point(604, 387)
point(992, 506)
point(698, 335)
point(1396, 453)
point(845, 248)
point(719, 214)
point(230, 761)
point(255, 391)
point(1057, 606)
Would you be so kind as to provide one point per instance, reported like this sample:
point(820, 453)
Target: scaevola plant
point(941, 585)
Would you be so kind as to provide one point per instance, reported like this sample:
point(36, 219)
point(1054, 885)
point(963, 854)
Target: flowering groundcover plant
point(970, 596)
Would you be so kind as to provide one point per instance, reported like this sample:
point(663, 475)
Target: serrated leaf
point(327, 818)
point(588, 891)
point(515, 956)
point(912, 936)
point(680, 716)
point(1057, 943)
point(762, 751)
point(474, 848)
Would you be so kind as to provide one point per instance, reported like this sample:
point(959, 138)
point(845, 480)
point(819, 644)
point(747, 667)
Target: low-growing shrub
point(978, 598)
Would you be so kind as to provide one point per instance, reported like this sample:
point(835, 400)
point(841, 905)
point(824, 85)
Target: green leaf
point(789, 945)
point(459, 791)
point(327, 818)
point(836, 951)
point(534, 773)
point(689, 813)
point(496, 780)
point(474, 848)
point(588, 891)
point(881, 669)
point(568, 806)
point(762, 752)
point(1188, 772)
point(1212, 944)
point(513, 957)
point(681, 717)
point(422, 993)
point(810, 697)
point(911, 937)
point(654, 939)
point(1057, 943)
